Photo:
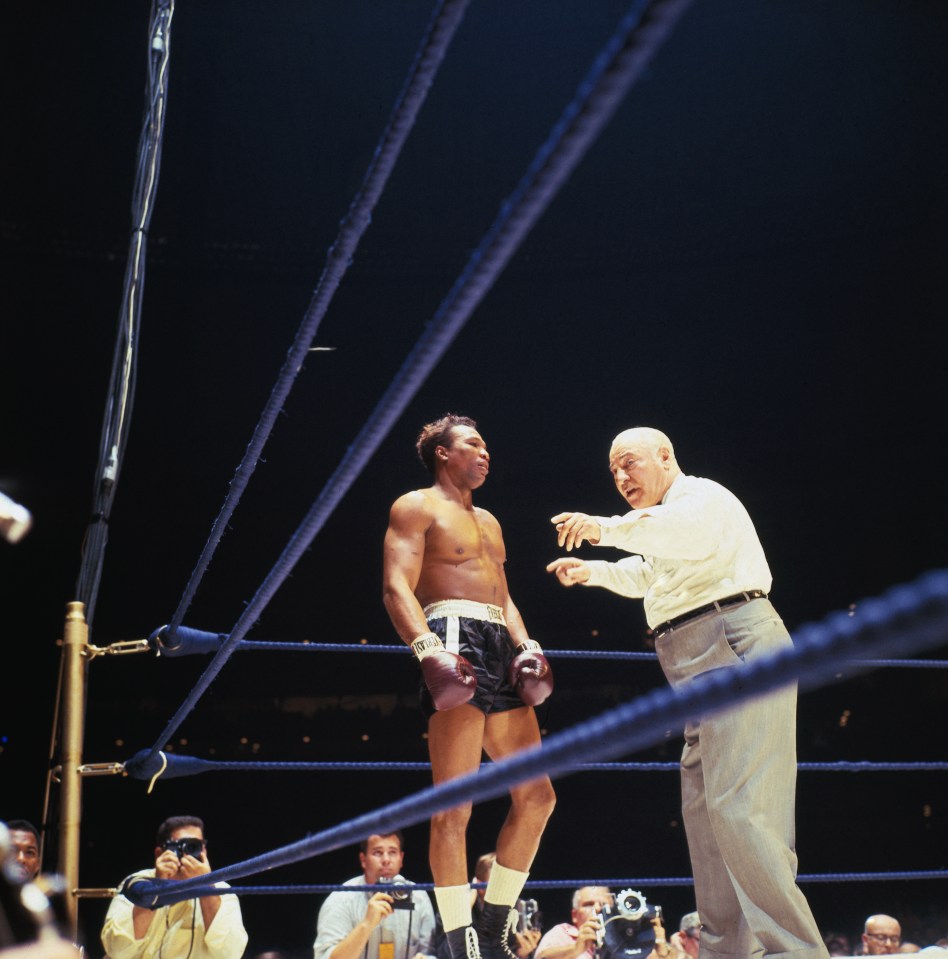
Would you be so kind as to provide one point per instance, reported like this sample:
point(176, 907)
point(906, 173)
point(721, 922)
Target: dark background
point(751, 257)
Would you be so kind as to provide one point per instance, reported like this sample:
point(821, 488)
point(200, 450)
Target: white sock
point(454, 904)
point(504, 885)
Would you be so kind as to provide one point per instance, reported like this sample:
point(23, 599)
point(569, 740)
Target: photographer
point(570, 940)
point(208, 927)
point(605, 929)
point(397, 923)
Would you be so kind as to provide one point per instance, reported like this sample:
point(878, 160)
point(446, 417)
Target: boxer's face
point(466, 456)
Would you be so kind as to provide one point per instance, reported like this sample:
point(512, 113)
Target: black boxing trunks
point(478, 632)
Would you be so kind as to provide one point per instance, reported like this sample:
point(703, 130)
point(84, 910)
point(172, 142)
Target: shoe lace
point(471, 946)
point(510, 927)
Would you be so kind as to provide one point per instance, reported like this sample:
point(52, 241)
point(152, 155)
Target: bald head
point(643, 466)
point(883, 935)
point(645, 437)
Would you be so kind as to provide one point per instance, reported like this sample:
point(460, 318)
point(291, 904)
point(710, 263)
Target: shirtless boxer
point(446, 593)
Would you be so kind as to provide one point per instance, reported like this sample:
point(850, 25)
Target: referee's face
point(641, 473)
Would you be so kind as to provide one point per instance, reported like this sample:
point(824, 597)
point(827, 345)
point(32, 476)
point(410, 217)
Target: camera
point(189, 846)
point(529, 916)
point(627, 931)
point(631, 904)
point(399, 890)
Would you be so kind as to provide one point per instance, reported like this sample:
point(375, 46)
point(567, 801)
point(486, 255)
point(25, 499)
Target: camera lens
point(631, 904)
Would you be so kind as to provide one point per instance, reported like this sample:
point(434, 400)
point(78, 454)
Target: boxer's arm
point(518, 632)
point(529, 672)
point(404, 555)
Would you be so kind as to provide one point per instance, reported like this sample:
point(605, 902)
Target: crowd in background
point(393, 922)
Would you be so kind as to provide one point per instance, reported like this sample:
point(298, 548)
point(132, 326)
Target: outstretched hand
point(574, 529)
point(569, 571)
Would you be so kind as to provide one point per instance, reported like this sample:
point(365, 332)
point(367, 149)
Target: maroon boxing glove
point(449, 677)
point(529, 673)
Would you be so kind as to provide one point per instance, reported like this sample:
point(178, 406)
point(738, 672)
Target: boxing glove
point(449, 677)
point(529, 673)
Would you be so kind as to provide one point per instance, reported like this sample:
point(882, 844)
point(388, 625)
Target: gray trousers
point(738, 788)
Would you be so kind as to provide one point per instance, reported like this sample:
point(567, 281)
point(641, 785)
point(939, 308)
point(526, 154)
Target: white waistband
point(465, 608)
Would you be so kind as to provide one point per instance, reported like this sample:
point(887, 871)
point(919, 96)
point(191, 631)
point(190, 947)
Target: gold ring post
point(75, 645)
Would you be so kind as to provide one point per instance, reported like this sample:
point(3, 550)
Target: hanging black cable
point(118, 408)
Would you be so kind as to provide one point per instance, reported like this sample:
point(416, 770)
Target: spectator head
point(24, 849)
point(381, 857)
point(882, 936)
point(588, 901)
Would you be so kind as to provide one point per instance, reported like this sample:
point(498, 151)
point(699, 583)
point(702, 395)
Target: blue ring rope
point(180, 765)
point(197, 641)
point(634, 883)
point(251, 644)
point(909, 617)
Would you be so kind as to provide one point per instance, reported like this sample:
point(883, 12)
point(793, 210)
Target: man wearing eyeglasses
point(882, 936)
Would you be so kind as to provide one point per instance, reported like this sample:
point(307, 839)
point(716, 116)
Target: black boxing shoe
point(495, 928)
point(463, 943)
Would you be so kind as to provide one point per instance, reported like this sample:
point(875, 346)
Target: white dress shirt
point(698, 545)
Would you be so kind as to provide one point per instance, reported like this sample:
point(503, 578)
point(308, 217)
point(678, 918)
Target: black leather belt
point(718, 604)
